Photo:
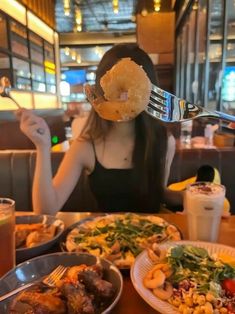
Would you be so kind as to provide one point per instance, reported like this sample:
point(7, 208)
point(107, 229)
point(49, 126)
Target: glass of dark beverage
point(7, 235)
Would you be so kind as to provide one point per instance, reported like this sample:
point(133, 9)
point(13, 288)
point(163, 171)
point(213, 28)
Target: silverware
point(50, 281)
point(167, 107)
point(5, 88)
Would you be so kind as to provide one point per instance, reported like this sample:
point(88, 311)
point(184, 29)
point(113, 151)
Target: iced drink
point(7, 235)
point(203, 204)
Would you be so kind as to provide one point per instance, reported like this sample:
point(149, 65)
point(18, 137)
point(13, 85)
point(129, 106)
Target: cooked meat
point(102, 289)
point(37, 303)
point(78, 302)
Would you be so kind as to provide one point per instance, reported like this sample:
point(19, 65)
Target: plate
point(143, 264)
point(118, 237)
point(24, 253)
point(40, 266)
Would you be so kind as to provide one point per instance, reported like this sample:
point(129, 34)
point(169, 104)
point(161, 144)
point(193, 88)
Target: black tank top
point(114, 189)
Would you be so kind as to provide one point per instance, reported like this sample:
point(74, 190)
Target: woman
point(127, 163)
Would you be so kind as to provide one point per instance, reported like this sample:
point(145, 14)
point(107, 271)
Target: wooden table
point(130, 301)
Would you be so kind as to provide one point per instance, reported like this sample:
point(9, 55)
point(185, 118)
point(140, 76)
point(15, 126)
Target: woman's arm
point(172, 198)
point(49, 194)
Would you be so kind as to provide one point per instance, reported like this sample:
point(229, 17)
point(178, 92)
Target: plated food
point(30, 235)
point(82, 289)
point(187, 277)
point(119, 237)
point(35, 234)
point(89, 286)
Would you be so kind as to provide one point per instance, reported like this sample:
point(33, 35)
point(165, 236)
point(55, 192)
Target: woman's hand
point(232, 125)
point(34, 127)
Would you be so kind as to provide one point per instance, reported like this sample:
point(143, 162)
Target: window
point(21, 74)
point(19, 39)
point(5, 65)
point(36, 48)
point(38, 78)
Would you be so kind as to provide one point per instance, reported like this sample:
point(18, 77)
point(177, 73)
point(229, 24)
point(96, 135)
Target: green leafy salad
point(195, 264)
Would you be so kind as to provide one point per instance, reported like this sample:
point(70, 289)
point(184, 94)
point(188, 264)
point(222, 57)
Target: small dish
point(24, 253)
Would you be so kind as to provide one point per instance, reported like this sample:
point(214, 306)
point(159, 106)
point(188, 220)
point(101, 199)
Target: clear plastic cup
point(203, 204)
point(7, 235)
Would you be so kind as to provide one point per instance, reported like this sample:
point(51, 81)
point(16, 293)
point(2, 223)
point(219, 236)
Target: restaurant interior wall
point(205, 54)
point(28, 57)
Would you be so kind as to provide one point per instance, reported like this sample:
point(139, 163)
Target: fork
point(49, 281)
point(169, 108)
point(5, 87)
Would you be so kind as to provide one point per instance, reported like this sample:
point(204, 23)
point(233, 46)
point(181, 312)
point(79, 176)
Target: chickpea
point(201, 299)
point(210, 297)
point(176, 301)
point(197, 310)
point(188, 301)
point(182, 307)
point(208, 308)
point(188, 310)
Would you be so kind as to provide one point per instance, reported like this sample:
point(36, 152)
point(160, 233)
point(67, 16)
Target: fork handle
point(13, 292)
point(225, 116)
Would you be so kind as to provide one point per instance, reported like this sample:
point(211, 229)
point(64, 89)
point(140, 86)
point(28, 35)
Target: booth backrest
point(17, 169)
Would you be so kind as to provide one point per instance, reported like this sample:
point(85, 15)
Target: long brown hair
point(150, 147)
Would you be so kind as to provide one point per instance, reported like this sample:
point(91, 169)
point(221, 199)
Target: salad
point(192, 280)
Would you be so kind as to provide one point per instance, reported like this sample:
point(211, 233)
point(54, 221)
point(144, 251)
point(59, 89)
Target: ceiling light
point(66, 51)
point(67, 7)
point(78, 19)
point(144, 12)
point(157, 5)
point(79, 60)
point(195, 5)
point(115, 6)
point(73, 55)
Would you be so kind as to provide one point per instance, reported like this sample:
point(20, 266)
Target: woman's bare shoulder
point(83, 150)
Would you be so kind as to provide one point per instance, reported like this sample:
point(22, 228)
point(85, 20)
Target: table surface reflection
point(130, 300)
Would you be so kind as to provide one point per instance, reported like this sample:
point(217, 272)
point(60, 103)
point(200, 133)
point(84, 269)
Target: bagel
point(126, 89)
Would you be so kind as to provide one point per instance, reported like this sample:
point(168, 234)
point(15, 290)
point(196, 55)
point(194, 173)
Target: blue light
point(74, 77)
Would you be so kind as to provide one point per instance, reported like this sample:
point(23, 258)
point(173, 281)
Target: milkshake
point(203, 204)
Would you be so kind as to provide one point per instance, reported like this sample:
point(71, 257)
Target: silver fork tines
point(50, 281)
point(169, 108)
point(54, 276)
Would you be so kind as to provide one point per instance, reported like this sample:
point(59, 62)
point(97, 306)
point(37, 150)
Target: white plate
point(143, 264)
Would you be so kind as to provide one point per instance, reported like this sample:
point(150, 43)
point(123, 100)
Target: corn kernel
point(223, 310)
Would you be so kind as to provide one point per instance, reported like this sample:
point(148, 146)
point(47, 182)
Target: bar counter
point(130, 301)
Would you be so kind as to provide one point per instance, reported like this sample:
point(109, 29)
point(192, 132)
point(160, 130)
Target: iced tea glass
point(203, 204)
point(7, 235)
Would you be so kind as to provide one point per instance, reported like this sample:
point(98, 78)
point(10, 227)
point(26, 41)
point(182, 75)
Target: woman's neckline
point(100, 164)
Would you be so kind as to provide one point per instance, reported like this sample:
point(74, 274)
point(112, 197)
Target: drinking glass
point(186, 133)
point(203, 204)
point(7, 235)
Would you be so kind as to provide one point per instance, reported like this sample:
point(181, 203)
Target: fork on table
point(169, 108)
point(50, 281)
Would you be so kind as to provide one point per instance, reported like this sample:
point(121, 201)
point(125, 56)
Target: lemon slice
point(228, 259)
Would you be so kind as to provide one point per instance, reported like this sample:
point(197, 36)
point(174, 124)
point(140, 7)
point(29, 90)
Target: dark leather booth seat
point(12, 138)
point(17, 168)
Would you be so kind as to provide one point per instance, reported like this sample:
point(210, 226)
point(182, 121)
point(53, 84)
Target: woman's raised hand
point(34, 127)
